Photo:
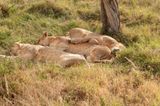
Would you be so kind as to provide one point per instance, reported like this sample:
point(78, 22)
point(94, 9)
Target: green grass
point(116, 84)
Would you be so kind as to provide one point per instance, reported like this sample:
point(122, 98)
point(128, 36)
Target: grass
point(117, 84)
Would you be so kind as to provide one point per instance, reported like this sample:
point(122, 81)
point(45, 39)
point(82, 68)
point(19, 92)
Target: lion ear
point(115, 50)
point(17, 44)
point(45, 34)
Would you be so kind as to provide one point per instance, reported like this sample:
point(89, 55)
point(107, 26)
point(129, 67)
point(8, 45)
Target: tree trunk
point(110, 17)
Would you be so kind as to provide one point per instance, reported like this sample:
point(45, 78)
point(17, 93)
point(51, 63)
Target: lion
point(61, 58)
point(46, 40)
point(46, 54)
point(79, 35)
point(92, 52)
point(25, 51)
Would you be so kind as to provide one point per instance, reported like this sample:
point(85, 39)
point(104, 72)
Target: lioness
point(25, 51)
point(92, 52)
point(61, 58)
point(79, 35)
point(46, 40)
point(41, 53)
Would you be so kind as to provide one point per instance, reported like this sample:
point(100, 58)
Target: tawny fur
point(79, 35)
point(53, 41)
point(63, 59)
point(46, 54)
point(25, 51)
point(92, 52)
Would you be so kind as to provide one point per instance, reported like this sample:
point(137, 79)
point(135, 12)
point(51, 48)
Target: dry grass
point(48, 85)
point(117, 84)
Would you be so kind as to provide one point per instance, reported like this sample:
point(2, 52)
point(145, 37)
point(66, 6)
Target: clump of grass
point(74, 95)
point(19, 1)
point(48, 8)
point(5, 39)
point(89, 15)
point(4, 9)
point(6, 67)
point(146, 59)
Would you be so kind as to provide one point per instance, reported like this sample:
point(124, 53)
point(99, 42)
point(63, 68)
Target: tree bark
point(110, 17)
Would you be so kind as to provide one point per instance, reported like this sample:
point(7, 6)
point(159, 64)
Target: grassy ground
point(122, 83)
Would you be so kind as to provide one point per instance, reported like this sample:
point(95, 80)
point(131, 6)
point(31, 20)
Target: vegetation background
point(132, 82)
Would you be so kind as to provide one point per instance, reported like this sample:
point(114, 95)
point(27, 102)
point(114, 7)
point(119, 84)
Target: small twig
point(132, 63)
point(6, 85)
point(88, 65)
point(7, 100)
